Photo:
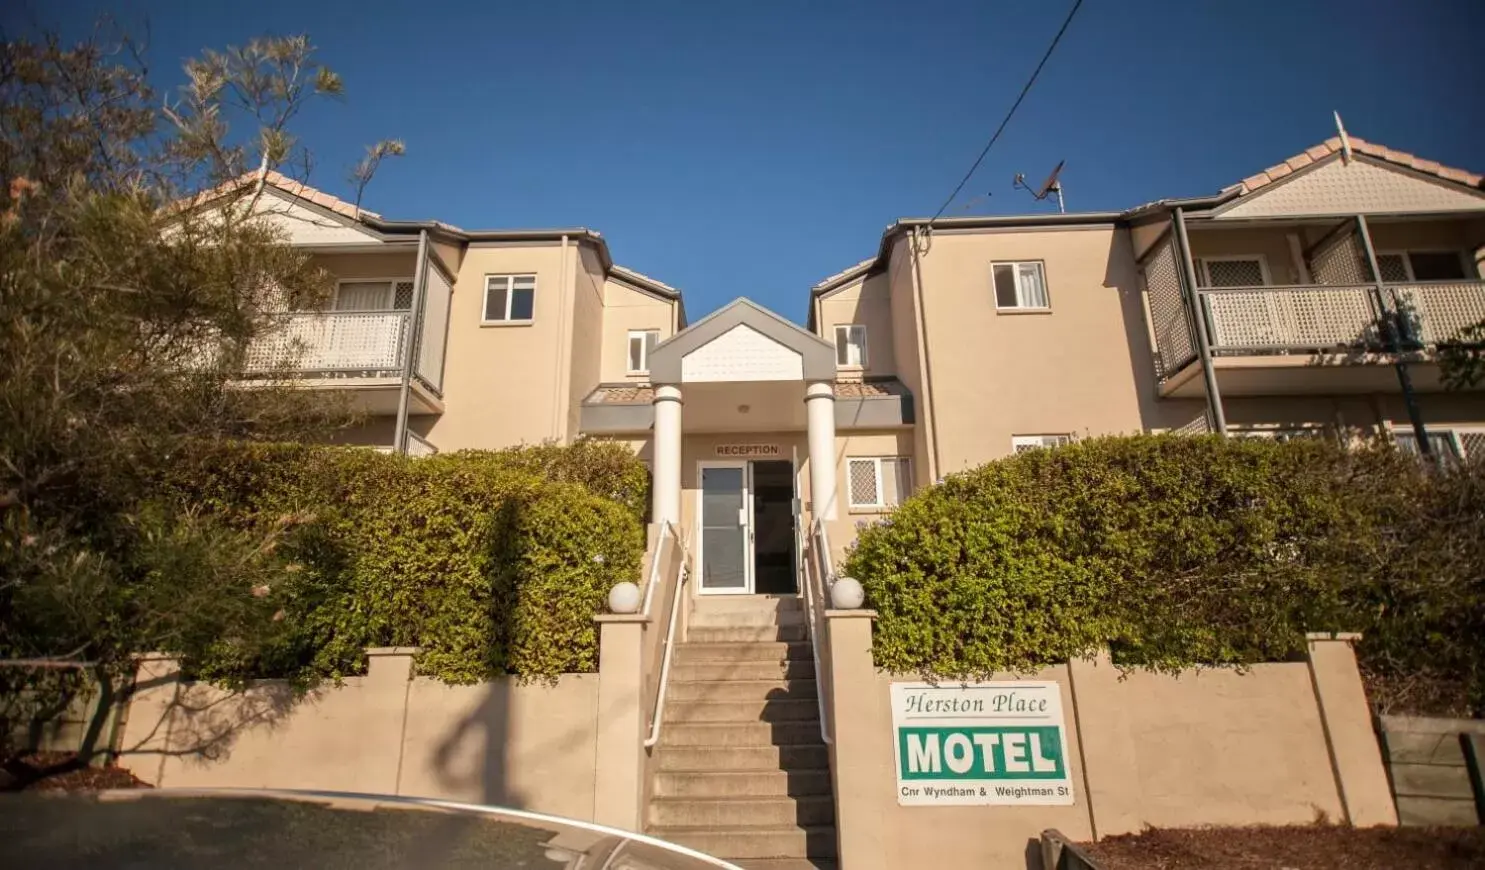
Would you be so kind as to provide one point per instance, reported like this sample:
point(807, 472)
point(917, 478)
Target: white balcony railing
point(342, 341)
point(1331, 317)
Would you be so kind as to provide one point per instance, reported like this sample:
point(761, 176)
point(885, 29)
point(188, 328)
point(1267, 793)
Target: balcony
point(360, 351)
point(1275, 340)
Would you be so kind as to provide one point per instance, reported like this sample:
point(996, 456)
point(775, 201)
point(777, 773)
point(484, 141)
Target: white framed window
point(850, 345)
point(509, 298)
point(1023, 443)
point(373, 294)
point(641, 342)
point(1239, 270)
point(1442, 443)
point(1403, 267)
point(1021, 285)
point(878, 482)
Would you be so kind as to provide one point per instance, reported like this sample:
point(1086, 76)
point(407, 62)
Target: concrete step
point(816, 841)
point(741, 618)
point(760, 710)
point(718, 782)
point(787, 863)
point(743, 690)
point(708, 604)
point(745, 633)
point(739, 651)
point(717, 671)
point(718, 735)
point(806, 758)
point(758, 812)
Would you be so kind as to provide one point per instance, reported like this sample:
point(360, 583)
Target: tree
point(126, 308)
point(1463, 361)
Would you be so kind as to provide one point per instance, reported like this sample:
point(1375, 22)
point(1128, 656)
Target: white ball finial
point(624, 598)
point(847, 594)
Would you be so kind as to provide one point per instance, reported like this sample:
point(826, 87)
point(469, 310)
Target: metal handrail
point(657, 715)
point(665, 531)
point(820, 551)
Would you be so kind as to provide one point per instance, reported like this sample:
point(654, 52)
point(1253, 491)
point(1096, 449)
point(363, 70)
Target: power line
point(1014, 106)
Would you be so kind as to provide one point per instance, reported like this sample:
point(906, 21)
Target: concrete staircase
point(741, 771)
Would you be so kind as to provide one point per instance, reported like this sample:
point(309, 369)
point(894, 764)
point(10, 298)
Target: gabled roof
point(817, 355)
point(296, 189)
point(1333, 145)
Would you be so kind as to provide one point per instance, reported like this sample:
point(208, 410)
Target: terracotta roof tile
point(1360, 146)
point(287, 185)
point(643, 394)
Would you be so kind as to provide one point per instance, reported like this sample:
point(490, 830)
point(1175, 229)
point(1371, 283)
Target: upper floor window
point(383, 294)
point(1400, 267)
point(1246, 270)
point(641, 342)
point(878, 482)
point(850, 345)
point(1023, 443)
point(509, 298)
point(1020, 285)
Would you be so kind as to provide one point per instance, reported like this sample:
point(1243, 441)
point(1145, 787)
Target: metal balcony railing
point(1327, 317)
point(342, 341)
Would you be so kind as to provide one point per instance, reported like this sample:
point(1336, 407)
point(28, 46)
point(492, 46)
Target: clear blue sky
point(752, 148)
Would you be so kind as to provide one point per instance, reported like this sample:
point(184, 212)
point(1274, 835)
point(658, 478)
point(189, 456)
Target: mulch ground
point(1316, 847)
point(28, 773)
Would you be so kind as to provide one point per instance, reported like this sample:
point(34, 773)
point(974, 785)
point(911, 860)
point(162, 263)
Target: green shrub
point(491, 562)
point(1177, 551)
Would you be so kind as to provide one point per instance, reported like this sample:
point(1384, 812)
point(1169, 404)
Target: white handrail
point(657, 715)
point(665, 532)
point(820, 550)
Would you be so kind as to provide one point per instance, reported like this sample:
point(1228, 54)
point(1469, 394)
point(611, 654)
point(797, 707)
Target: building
point(961, 341)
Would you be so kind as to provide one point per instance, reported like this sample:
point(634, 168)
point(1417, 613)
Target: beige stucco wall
point(1271, 244)
point(504, 384)
point(523, 746)
point(1279, 744)
point(1084, 368)
point(908, 356)
point(1210, 747)
point(866, 301)
point(626, 308)
point(587, 335)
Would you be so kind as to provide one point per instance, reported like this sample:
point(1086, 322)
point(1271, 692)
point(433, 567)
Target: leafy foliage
point(1180, 551)
point(491, 562)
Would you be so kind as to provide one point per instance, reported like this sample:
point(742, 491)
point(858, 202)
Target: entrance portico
point(747, 431)
point(740, 372)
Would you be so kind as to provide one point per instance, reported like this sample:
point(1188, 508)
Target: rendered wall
point(1280, 744)
point(524, 746)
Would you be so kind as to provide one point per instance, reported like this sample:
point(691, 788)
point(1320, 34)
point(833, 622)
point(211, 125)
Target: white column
point(819, 407)
point(665, 493)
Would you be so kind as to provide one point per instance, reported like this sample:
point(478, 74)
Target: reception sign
point(980, 743)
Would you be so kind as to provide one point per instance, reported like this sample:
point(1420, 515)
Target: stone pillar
point(861, 751)
point(1355, 756)
point(665, 505)
point(618, 781)
point(819, 406)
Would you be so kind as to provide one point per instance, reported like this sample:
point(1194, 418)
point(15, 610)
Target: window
point(1243, 271)
point(1020, 285)
point(878, 482)
point(509, 298)
point(1023, 443)
point(384, 294)
point(1441, 443)
point(641, 342)
point(1401, 267)
point(850, 346)
point(1282, 434)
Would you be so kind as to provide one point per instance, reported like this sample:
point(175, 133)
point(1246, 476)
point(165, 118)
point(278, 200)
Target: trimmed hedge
point(1181, 551)
point(491, 562)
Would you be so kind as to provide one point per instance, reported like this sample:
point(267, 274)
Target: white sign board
point(980, 743)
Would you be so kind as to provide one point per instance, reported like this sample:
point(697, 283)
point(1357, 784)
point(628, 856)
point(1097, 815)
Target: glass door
point(724, 515)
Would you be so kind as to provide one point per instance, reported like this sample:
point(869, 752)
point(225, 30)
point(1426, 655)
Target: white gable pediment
point(306, 225)
point(742, 354)
point(1359, 187)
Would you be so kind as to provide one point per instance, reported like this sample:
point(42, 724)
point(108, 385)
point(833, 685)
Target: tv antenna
point(1050, 186)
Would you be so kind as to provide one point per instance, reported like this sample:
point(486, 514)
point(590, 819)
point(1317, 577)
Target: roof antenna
point(1345, 139)
point(1050, 186)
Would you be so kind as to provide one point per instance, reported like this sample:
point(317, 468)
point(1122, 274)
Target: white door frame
point(747, 526)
